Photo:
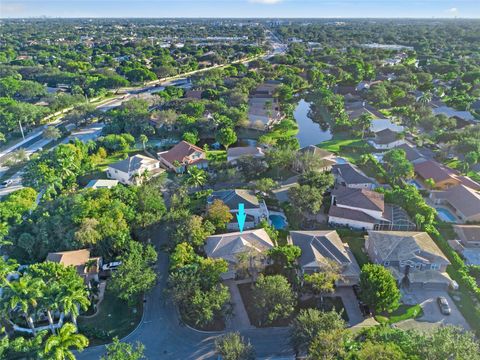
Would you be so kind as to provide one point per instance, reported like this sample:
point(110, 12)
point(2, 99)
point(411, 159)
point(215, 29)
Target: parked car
point(111, 266)
point(444, 306)
point(6, 183)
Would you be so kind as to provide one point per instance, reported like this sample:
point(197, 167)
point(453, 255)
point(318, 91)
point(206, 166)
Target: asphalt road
point(165, 337)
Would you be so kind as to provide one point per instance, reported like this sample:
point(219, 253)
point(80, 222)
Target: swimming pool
point(340, 160)
point(446, 215)
point(278, 221)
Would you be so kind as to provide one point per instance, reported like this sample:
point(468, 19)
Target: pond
point(309, 131)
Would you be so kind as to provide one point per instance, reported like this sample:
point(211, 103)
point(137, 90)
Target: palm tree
point(196, 177)
point(143, 139)
point(364, 121)
point(58, 347)
point(23, 294)
point(425, 98)
point(72, 301)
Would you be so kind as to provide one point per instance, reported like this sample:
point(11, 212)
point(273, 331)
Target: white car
point(111, 266)
point(6, 183)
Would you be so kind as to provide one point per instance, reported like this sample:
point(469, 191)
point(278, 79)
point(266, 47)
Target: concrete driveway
point(432, 317)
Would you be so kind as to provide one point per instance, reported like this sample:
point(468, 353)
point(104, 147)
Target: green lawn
point(356, 242)
point(216, 155)
point(343, 145)
point(404, 312)
point(114, 318)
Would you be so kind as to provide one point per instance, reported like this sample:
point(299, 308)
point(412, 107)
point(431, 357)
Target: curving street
point(165, 337)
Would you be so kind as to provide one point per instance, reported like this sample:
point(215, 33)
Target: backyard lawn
point(347, 147)
point(114, 318)
point(356, 242)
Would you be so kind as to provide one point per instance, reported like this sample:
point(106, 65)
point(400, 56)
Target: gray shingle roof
point(319, 247)
point(132, 163)
point(359, 198)
point(350, 174)
point(229, 246)
point(405, 245)
point(232, 198)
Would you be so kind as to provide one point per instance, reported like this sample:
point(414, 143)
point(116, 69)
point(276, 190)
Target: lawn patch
point(115, 318)
point(356, 243)
point(404, 312)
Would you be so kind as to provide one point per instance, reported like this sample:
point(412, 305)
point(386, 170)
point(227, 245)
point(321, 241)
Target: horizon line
point(237, 18)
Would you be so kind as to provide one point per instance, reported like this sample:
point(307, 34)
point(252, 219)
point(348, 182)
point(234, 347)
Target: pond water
point(309, 132)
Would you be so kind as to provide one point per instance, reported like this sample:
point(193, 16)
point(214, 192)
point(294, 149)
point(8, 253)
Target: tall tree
point(378, 288)
point(310, 322)
point(135, 275)
point(273, 298)
point(226, 136)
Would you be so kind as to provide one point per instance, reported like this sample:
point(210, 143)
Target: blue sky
point(241, 8)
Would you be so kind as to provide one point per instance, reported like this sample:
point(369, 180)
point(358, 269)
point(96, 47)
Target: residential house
point(467, 243)
point(350, 176)
point(413, 258)
point(132, 170)
point(386, 139)
point(357, 208)
point(87, 267)
point(182, 156)
point(468, 235)
point(253, 244)
point(451, 112)
point(325, 158)
point(462, 200)
point(255, 209)
point(263, 107)
point(443, 176)
point(263, 112)
point(235, 153)
point(411, 153)
point(382, 124)
point(101, 184)
point(319, 248)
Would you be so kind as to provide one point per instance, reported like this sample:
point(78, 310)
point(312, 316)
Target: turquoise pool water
point(278, 221)
point(446, 215)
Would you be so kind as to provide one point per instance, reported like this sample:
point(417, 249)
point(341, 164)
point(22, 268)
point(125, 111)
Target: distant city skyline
point(242, 8)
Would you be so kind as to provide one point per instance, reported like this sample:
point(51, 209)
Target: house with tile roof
point(87, 267)
point(182, 156)
point(468, 235)
point(232, 246)
point(357, 208)
point(255, 209)
point(413, 258)
point(319, 248)
point(443, 176)
point(463, 201)
point(133, 169)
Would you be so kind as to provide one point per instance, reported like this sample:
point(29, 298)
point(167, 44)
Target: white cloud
point(11, 8)
point(453, 11)
point(267, 2)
